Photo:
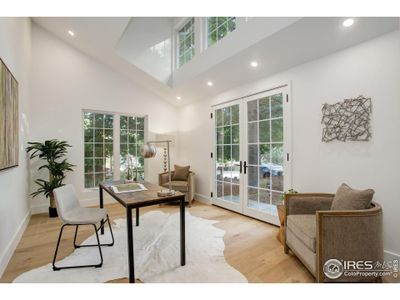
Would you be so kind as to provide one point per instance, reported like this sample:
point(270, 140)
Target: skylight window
point(186, 42)
point(218, 28)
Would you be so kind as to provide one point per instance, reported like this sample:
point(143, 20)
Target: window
point(98, 139)
point(131, 139)
point(186, 42)
point(105, 160)
point(218, 28)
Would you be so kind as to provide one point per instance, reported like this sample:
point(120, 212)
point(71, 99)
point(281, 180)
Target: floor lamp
point(148, 150)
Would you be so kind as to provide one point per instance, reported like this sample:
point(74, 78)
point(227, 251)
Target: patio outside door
point(252, 154)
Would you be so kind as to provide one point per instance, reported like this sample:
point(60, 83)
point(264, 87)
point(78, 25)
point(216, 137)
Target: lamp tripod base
point(165, 193)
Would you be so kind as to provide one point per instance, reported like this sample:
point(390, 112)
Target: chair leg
point(55, 268)
point(101, 226)
point(98, 244)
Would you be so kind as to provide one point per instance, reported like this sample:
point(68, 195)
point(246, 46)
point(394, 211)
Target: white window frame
point(177, 40)
point(116, 141)
point(205, 29)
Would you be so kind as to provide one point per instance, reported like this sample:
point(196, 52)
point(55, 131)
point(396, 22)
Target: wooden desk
point(142, 199)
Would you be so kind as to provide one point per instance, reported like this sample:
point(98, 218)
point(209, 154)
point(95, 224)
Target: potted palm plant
point(53, 152)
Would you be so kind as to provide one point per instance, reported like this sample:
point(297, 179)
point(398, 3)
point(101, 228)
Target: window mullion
point(116, 146)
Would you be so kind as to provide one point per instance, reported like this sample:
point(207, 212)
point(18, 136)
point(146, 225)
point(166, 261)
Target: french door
point(251, 146)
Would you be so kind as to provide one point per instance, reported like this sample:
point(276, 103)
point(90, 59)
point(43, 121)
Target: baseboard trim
point(202, 198)
point(44, 208)
point(12, 245)
point(389, 255)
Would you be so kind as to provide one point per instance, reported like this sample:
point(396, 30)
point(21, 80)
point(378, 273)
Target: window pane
point(220, 158)
point(98, 135)
point(99, 121)
point(218, 117)
point(108, 121)
point(235, 114)
point(98, 150)
point(89, 135)
point(131, 123)
point(99, 165)
point(253, 176)
point(212, 23)
point(124, 149)
point(277, 130)
point(253, 155)
point(222, 31)
point(226, 113)
point(276, 106)
point(227, 174)
point(89, 165)
point(265, 156)
point(227, 134)
point(227, 191)
point(253, 132)
point(132, 136)
point(252, 110)
point(88, 120)
point(89, 180)
point(235, 134)
point(264, 131)
point(108, 135)
point(227, 153)
point(140, 123)
point(264, 199)
point(212, 37)
point(277, 154)
point(140, 137)
point(108, 150)
point(88, 150)
point(264, 108)
point(123, 122)
point(231, 24)
point(219, 189)
point(123, 136)
point(252, 197)
point(219, 132)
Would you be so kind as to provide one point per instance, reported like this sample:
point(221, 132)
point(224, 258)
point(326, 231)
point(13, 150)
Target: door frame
point(288, 131)
point(214, 200)
point(255, 213)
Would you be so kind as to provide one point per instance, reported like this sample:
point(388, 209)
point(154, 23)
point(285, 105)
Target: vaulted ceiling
point(276, 44)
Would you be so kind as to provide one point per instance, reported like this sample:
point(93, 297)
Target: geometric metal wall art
point(348, 120)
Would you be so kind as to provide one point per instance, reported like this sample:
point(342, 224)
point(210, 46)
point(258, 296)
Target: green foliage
point(52, 151)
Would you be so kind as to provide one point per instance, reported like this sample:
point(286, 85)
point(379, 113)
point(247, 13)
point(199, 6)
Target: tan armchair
point(315, 234)
point(186, 187)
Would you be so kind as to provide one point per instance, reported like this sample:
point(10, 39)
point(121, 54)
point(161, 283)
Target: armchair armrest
point(307, 203)
point(163, 177)
point(349, 235)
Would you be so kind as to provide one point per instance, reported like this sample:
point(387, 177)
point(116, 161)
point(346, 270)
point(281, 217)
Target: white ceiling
point(302, 40)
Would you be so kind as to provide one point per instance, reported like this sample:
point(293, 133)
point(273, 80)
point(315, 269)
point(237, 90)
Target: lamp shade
point(148, 150)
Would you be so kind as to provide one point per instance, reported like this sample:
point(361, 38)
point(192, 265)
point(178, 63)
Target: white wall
point(65, 81)
point(15, 36)
point(371, 69)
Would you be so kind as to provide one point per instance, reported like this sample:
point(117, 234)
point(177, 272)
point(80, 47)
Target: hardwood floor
point(251, 245)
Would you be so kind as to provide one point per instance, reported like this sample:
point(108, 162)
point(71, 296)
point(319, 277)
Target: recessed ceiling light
point(254, 64)
point(71, 33)
point(178, 98)
point(209, 83)
point(348, 22)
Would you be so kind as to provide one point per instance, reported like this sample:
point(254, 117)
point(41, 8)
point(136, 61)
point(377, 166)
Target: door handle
point(240, 165)
point(244, 167)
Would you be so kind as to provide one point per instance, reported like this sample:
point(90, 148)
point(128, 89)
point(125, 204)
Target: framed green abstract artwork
point(8, 118)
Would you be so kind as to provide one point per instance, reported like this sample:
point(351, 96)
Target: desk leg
point(137, 216)
point(101, 206)
point(182, 229)
point(130, 245)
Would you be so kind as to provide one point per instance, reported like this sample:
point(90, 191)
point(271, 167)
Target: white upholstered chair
point(73, 214)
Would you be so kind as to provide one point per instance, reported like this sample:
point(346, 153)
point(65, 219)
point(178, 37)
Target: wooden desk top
point(141, 198)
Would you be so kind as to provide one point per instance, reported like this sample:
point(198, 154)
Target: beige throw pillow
point(181, 173)
point(347, 198)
